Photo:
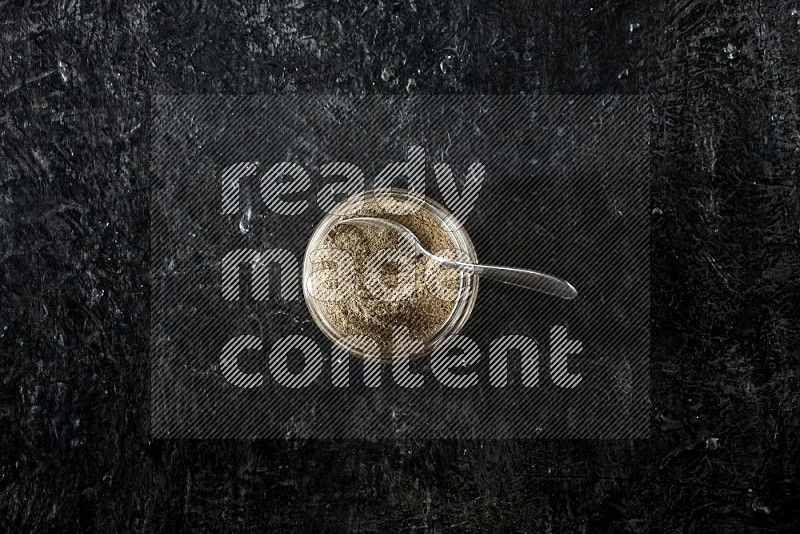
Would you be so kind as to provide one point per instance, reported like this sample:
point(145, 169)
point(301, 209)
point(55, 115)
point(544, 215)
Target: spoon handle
point(508, 275)
point(526, 278)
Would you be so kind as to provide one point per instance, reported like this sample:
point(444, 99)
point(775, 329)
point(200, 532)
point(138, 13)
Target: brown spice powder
point(422, 312)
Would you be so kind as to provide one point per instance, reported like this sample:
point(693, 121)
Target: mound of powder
point(416, 307)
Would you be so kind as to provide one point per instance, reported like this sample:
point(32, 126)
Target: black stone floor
point(75, 84)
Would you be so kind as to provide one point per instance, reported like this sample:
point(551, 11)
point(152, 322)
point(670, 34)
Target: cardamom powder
point(416, 306)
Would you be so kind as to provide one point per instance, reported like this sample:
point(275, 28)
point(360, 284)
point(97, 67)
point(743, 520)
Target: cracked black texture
point(75, 83)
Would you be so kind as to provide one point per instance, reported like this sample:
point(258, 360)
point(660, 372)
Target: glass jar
point(466, 293)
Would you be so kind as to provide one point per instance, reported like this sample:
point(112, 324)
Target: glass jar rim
point(467, 292)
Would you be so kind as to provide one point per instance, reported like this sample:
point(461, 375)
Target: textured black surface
point(566, 191)
point(74, 85)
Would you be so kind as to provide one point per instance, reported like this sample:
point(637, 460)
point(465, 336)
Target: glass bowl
point(466, 293)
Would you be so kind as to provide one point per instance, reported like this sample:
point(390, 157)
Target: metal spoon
point(508, 275)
